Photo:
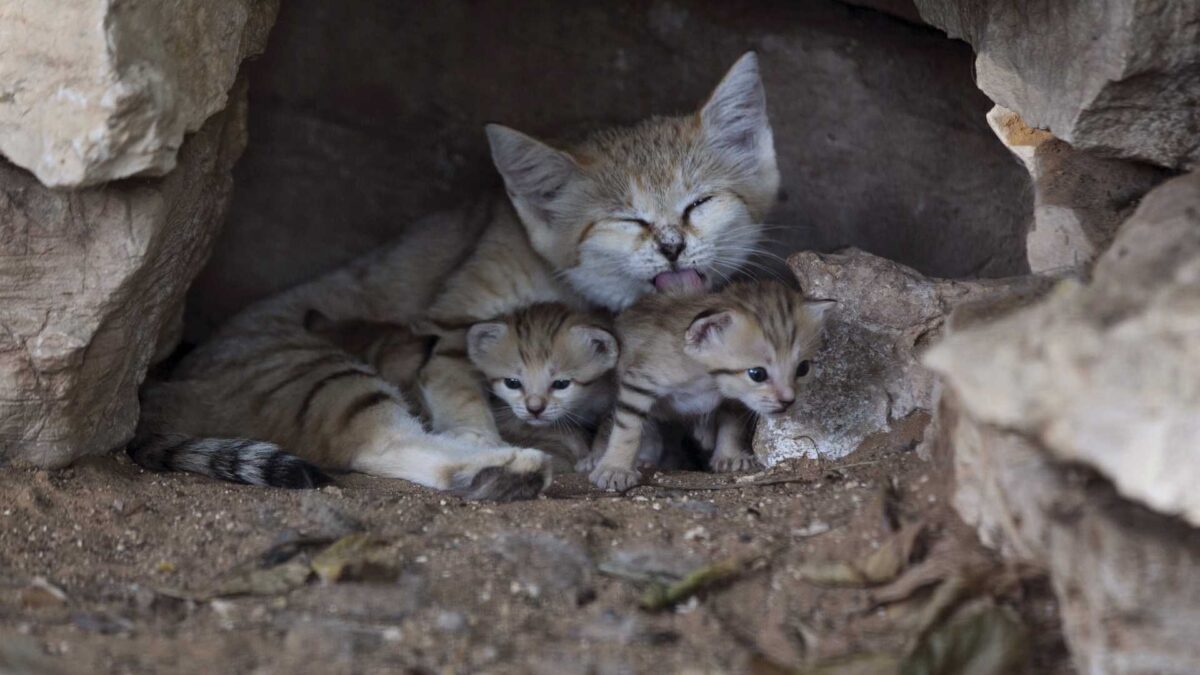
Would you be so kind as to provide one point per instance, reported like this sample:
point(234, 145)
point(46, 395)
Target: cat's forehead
point(642, 162)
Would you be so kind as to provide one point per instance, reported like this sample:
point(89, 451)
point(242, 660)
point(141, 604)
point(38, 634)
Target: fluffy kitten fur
point(751, 343)
point(592, 225)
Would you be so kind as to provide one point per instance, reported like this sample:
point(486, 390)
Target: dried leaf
point(881, 566)
point(989, 641)
point(660, 597)
point(253, 580)
point(353, 556)
point(41, 593)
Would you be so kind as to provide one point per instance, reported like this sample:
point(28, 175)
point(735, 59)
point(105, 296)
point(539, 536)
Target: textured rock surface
point(867, 373)
point(1106, 374)
point(367, 115)
point(1119, 76)
point(93, 283)
point(1080, 198)
point(95, 90)
point(1125, 576)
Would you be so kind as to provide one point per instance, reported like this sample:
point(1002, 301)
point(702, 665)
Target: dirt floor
point(107, 569)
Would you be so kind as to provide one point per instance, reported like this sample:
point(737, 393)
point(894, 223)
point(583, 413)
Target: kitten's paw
point(614, 478)
point(523, 474)
point(735, 463)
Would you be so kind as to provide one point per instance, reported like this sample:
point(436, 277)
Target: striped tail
point(233, 459)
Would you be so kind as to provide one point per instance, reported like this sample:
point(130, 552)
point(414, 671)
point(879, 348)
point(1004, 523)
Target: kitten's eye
point(512, 383)
point(757, 374)
point(560, 384)
point(803, 368)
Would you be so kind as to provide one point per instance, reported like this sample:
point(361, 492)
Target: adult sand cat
point(672, 202)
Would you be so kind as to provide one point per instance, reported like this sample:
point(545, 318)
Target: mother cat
point(672, 203)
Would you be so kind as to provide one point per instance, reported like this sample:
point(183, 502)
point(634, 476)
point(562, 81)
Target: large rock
point(93, 284)
point(868, 375)
point(1118, 76)
point(1080, 198)
point(1125, 577)
point(95, 90)
point(880, 131)
point(1106, 374)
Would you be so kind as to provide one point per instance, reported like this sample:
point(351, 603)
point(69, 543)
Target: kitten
point(685, 355)
point(550, 369)
point(672, 202)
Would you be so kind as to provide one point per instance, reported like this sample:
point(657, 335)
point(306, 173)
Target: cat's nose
point(671, 250)
point(785, 403)
point(535, 405)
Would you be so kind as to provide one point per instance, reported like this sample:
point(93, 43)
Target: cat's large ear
point(707, 331)
point(482, 338)
point(534, 173)
point(735, 118)
point(600, 343)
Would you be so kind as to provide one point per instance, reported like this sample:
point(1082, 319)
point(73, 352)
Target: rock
point(1080, 198)
point(95, 90)
point(1125, 576)
point(1105, 374)
point(867, 374)
point(1117, 76)
point(879, 129)
point(93, 279)
point(901, 9)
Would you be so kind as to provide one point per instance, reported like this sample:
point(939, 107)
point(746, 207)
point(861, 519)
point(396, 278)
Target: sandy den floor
point(107, 569)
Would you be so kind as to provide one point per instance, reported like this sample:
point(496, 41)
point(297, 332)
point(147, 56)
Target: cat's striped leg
point(616, 469)
point(454, 397)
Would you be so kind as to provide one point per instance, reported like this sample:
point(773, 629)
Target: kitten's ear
point(482, 338)
point(707, 331)
point(601, 343)
point(818, 310)
point(534, 173)
point(315, 321)
point(735, 116)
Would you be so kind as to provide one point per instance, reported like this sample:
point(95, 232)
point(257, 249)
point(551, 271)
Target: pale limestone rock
point(1125, 577)
point(867, 375)
point(1080, 199)
point(94, 281)
point(96, 90)
point(1117, 76)
point(1105, 374)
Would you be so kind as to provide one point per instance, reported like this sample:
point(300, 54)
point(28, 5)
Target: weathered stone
point(880, 131)
point(1118, 76)
point(1080, 198)
point(1105, 374)
point(95, 90)
point(93, 282)
point(867, 373)
point(1125, 577)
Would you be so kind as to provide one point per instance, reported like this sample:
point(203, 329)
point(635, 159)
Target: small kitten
point(550, 369)
point(686, 355)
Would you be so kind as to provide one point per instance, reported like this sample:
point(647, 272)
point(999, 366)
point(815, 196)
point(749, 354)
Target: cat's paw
point(522, 474)
point(745, 462)
point(614, 478)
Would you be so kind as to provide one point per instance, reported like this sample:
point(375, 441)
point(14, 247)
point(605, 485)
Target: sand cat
point(670, 203)
point(752, 343)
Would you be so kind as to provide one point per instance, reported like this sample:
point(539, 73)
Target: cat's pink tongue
point(687, 281)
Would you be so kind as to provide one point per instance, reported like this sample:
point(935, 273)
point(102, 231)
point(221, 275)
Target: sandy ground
point(107, 569)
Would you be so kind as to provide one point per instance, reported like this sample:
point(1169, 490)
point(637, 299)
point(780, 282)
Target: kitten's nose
point(535, 405)
point(671, 250)
point(784, 404)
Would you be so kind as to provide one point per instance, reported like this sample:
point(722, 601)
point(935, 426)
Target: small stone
point(40, 594)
